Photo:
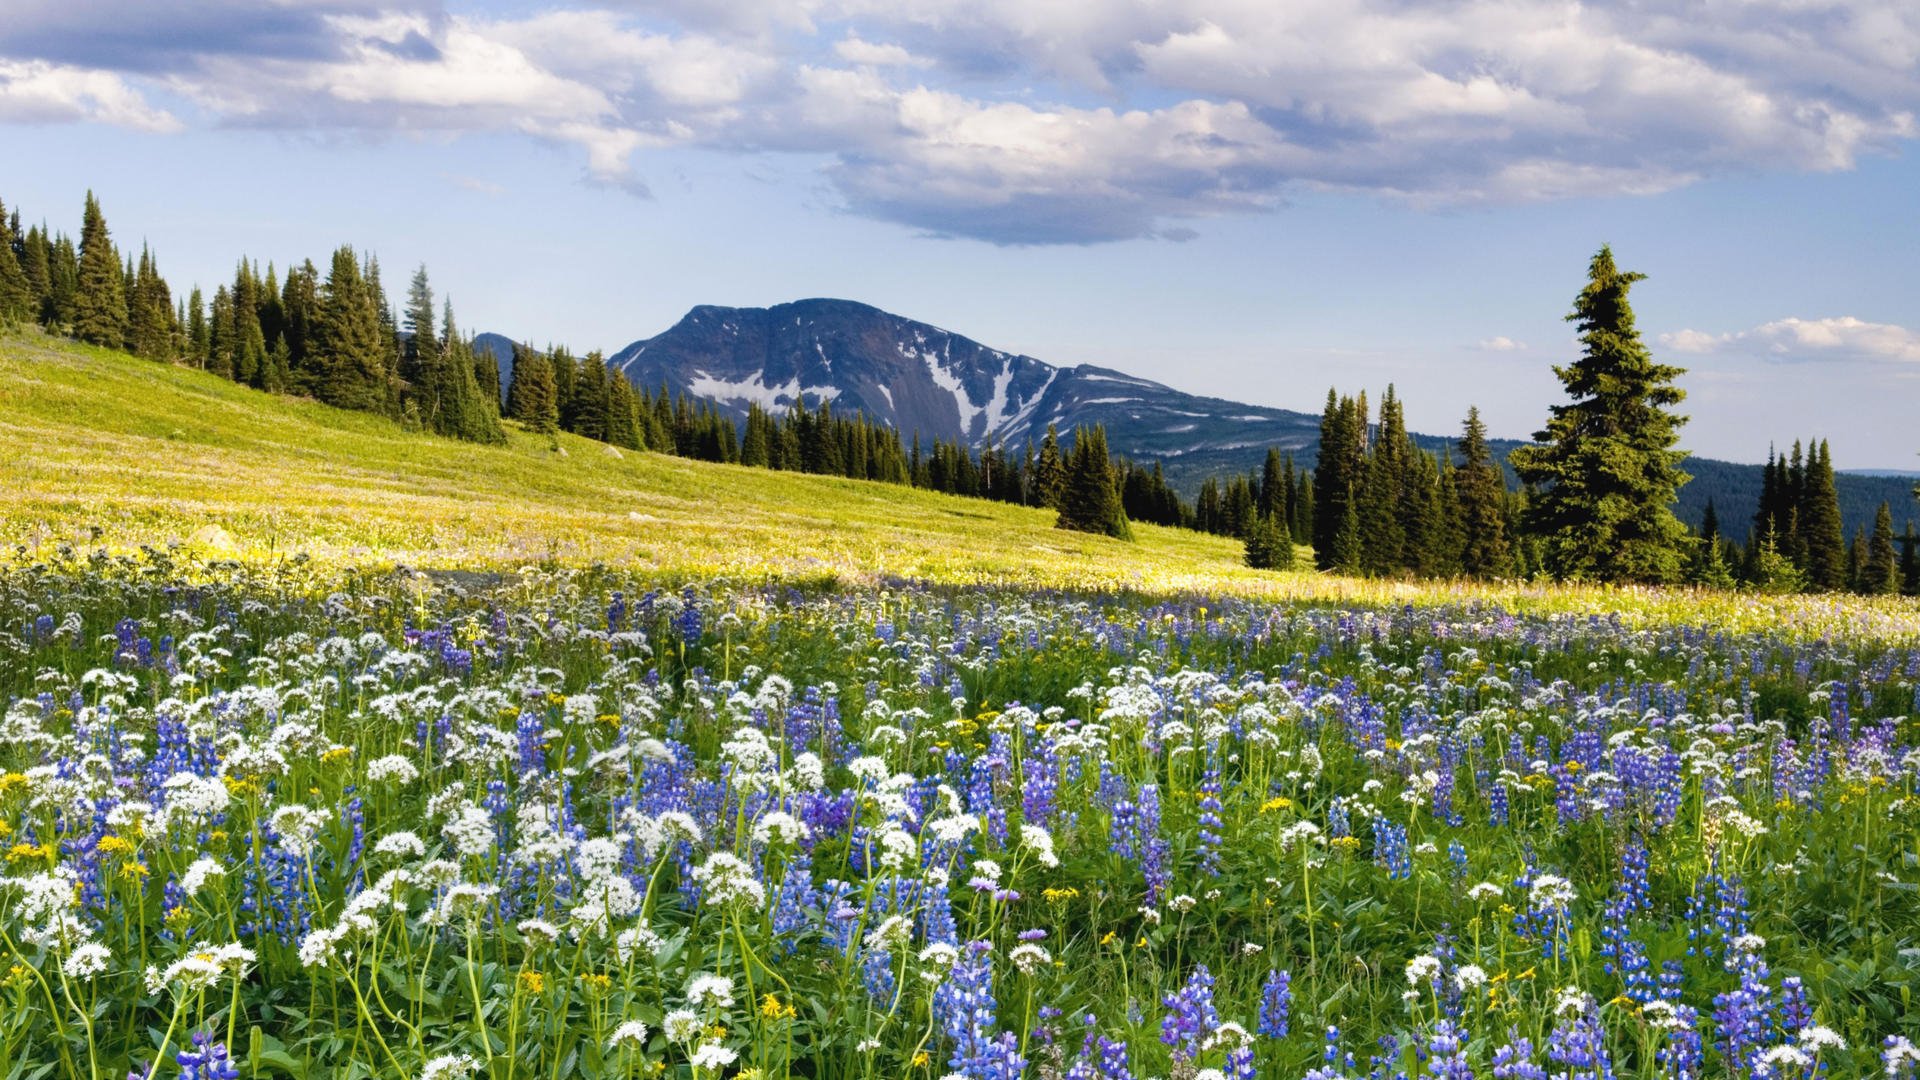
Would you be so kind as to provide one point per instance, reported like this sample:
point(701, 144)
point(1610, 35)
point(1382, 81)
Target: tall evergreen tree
point(1049, 471)
point(1480, 497)
point(100, 298)
point(623, 428)
point(1822, 534)
point(17, 302)
point(1090, 500)
point(1605, 466)
point(349, 347)
point(198, 340)
point(1336, 479)
point(422, 346)
point(530, 394)
point(1268, 546)
point(1880, 566)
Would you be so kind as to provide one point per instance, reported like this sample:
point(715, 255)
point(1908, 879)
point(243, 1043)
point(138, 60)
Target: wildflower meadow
point(569, 824)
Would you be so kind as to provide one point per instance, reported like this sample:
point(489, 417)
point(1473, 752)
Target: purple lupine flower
point(1276, 1004)
point(1191, 1018)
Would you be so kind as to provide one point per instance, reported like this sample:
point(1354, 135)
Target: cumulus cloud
point(37, 92)
point(1792, 339)
point(1022, 122)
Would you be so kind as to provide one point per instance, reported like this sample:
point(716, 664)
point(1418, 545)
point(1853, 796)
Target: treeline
point(335, 338)
point(1378, 504)
point(1797, 541)
point(552, 390)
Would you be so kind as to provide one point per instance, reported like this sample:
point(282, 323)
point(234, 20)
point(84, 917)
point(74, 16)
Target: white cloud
point(1792, 339)
point(1501, 343)
point(37, 92)
point(856, 50)
point(1018, 122)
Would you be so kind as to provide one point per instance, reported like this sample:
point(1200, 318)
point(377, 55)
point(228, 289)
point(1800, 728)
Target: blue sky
point(1234, 197)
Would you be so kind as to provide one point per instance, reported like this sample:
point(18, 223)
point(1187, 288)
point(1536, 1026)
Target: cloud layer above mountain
point(1792, 339)
point(1031, 123)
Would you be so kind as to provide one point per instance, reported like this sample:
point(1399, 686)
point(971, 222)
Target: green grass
point(100, 450)
point(100, 447)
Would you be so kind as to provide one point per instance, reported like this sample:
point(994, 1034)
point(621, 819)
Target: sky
point(1235, 197)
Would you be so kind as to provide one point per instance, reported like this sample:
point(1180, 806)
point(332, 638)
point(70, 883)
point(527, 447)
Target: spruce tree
point(349, 347)
point(623, 430)
point(100, 297)
point(16, 293)
point(1880, 568)
point(1049, 471)
point(1605, 466)
point(36, 262)
point(1337, 474)
point(197, 329)
point(1267, 544)
point(1480, 497)
point(1822, 534)
point(1090, 499)
point(422, 347)
point(469, 412)
point(530, 398)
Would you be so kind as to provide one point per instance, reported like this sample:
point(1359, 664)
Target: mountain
point(939, 384)
point(925, 380)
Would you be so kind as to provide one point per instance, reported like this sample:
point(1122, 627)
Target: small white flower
point(449, 1067)
point(681, 1025)
point(1029, 957)
point(710, 991)
point(727, 880)
point(1819, 1037)
point(1422, 968)
point(202, 871)
point(711, 1055)
point(780, 827)
point(87, 960)
point(400, 844)
point(631, 1033)
point(392, 769)
point(1470, 976)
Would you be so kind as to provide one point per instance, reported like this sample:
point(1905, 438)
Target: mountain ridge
point(935, 383)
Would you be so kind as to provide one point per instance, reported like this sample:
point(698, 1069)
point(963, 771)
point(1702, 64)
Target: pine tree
point(1267, 544)
point(198, 339)
point(471, 412)
point(422, 348)
point(349, 350)
point(1823, 536)
point(1879, 568)
point(100, 299)
point(1382, 493)
point(16, 293)
point(149, 312)
point(220, 334)
point(530, 397)
point(36, 262)
point(1480, 496)
point(1336, 479)
point(622, 428)
point(1090, 499)
point(1605, 465)
point(1049, 472)
point(299, 308)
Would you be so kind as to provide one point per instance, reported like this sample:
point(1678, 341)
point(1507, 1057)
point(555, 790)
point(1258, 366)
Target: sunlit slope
point(150, 454)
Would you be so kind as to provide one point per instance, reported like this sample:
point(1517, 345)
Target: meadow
point(320, 760)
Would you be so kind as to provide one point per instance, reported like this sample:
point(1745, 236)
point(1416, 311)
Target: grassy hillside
point(102, 450)
point(99, 445)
